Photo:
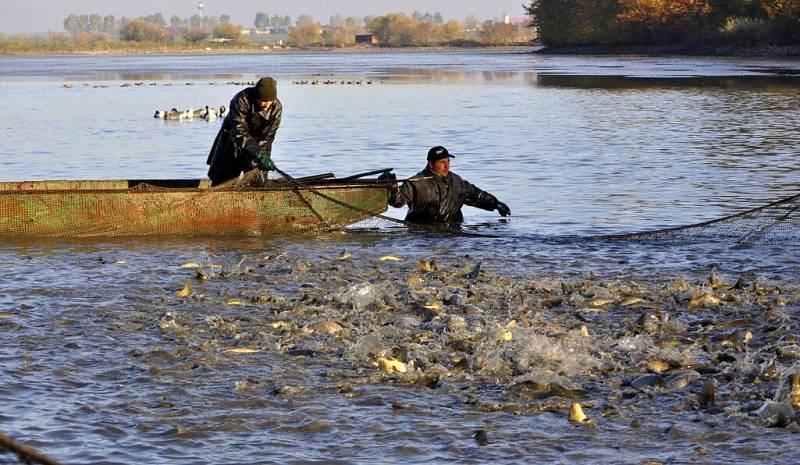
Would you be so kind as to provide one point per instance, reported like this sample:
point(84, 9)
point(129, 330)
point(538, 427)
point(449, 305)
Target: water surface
point(102, 363)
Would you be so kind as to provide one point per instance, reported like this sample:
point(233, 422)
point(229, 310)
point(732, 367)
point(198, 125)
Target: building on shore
point(366, 39)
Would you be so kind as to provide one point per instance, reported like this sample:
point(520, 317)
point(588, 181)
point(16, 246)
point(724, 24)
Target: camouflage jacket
point(431, 198)
point(245, 132)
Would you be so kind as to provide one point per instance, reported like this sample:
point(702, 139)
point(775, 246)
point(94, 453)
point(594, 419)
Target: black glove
point(503, 209)
point(387, 176)
point(252, 147)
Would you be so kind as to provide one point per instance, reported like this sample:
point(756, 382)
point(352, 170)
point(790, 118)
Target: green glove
point(265, 161)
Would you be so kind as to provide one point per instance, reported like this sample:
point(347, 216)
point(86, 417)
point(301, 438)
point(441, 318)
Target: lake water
point(100, 362)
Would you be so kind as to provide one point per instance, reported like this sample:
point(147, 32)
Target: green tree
point(576, 21)
point(262, 21)
point(72, 24)
point(156, 19)
point(175, 22)
point(109, 25)
point(304, 19)
point(336, 21)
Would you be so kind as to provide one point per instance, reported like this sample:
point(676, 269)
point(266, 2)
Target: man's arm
point(403, 195)
point(268, 136)
point(239, 109)
point(478, 198)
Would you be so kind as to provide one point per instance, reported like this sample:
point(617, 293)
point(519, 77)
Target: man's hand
point(387, 176)
point(503, 209)
point(252, 147)
point(265, 162)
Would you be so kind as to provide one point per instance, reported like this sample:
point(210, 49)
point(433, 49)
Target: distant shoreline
point(259, 50)
point(715, 50)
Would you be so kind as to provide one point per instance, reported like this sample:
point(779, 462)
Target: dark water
point(101, 361)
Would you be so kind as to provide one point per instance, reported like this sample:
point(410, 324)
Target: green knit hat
point(266, 89)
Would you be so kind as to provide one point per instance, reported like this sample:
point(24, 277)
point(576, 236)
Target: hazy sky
point(48, 15)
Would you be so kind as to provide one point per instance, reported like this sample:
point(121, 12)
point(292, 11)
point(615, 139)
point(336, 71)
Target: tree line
point(663, 22)
point(395, 29)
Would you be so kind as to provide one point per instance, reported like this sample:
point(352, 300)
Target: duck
point(159, 114)
point(210, 114)
point(172, 114)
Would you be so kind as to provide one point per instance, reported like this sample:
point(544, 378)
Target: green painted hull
point(182, 208)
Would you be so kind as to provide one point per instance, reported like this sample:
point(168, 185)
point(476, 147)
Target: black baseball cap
point(438, 152)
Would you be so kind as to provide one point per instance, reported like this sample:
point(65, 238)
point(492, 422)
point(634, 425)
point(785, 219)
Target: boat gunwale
point(138, 189)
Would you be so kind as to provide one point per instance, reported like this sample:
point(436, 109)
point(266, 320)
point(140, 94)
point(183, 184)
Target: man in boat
point(244, 141)
point(436, 194)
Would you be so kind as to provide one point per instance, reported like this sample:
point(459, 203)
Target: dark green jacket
point(434, 199)
point(244, 134)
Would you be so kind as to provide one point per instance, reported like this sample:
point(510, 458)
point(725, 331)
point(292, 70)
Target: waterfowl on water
point(173, 114)
point(222, 111)
point(210, 114)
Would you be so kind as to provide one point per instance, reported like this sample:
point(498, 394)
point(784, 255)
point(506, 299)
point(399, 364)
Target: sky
point(30, 16)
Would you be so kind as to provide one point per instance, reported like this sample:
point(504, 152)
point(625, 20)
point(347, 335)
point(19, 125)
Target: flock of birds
point(317, 82)
point(207, 113)
point(141, 83)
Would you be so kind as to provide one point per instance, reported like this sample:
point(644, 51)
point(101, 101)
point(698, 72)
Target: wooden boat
point(186, 207)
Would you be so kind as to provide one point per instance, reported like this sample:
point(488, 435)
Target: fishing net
point(775, 223)
point(12, 452)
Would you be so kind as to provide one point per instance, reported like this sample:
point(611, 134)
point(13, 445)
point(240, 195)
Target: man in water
point(245, 139)
point(436, 195)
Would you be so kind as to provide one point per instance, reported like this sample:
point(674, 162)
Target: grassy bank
point(56, 47)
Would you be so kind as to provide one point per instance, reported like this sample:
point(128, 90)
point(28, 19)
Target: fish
point(795, 395)
point(434, 305)
point(390, 258)
point(704, 300)
point(190, 265)
point(326, 327)
point(631, 301)
point(345, 255)
point(242, 350)
point(390, 365)
point(599, 302)
point(236, 302)
point(658, 366)
point(473, 274)
point(186, 291)
point(576, 414)
point(708, 395)
point(426, 265)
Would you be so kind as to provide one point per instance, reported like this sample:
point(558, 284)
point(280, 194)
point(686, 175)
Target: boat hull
point(115, 208)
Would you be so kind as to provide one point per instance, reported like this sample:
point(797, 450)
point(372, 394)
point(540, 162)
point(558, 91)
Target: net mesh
point(775, 223)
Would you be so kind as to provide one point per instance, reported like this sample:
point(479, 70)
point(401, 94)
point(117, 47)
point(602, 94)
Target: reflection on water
point(108, 364)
